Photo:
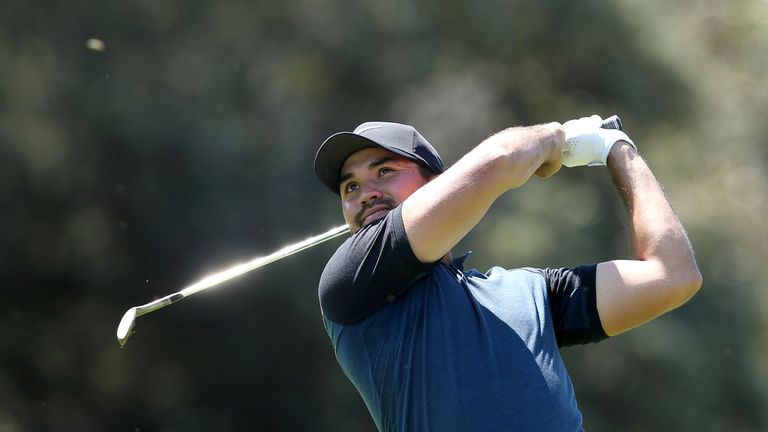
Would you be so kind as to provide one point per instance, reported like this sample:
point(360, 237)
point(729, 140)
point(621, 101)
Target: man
point(433, 347)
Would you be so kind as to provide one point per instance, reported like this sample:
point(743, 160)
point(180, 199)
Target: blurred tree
point(183, 142)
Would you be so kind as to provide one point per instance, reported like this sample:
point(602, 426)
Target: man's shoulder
point(368, 270)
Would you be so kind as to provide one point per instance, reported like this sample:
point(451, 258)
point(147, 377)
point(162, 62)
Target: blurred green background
point(181, 140)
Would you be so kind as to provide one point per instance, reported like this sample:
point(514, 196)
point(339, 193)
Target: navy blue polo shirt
point(432, 347)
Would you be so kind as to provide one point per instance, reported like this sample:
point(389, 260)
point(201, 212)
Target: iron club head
point(125, 329)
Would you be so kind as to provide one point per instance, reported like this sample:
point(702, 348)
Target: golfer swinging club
point(431, 346)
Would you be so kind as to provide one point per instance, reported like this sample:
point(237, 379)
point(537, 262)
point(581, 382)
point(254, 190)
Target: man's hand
point(586, 143)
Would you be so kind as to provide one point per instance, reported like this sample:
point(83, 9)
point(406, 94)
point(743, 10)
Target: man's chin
point(374, 217)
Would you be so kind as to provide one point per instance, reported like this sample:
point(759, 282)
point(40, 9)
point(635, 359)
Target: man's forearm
point(442, 212)
point(655, 230)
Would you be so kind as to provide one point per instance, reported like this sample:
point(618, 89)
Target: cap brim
point(333, 152)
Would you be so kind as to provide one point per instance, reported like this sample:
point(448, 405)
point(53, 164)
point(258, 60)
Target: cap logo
point(361, 130)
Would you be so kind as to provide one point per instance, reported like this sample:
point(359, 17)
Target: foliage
point(184, 143)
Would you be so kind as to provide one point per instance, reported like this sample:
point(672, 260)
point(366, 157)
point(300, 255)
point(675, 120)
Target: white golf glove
point(586, 143)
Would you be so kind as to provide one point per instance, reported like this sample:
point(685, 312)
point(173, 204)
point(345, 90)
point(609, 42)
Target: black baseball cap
point(398, 138)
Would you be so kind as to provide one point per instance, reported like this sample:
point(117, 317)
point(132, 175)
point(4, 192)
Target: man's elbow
point(688, 281)
point(692, 285)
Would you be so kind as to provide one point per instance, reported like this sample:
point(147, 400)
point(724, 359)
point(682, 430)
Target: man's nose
point(369, 192)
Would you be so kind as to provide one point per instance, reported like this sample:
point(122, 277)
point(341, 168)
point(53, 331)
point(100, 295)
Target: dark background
point(184, 144)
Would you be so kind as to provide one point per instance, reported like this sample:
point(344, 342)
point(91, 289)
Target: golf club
point(125, 329)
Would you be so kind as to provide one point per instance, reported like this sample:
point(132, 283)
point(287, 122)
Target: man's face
point(373, 182)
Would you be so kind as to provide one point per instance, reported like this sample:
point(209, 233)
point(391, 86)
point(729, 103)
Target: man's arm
point(664, 274)
point(438, 215)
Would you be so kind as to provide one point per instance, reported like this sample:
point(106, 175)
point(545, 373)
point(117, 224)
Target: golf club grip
point(612, 122)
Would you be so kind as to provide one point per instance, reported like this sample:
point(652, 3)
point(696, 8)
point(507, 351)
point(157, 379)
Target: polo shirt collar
point(458, 262)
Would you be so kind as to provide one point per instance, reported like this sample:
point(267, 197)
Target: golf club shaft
point(240, 269)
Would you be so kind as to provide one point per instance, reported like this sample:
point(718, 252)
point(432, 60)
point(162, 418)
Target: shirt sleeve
point(573, 303)
point(370, 269)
